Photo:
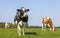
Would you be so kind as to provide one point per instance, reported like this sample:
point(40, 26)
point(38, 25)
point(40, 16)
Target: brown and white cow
point(47, 21)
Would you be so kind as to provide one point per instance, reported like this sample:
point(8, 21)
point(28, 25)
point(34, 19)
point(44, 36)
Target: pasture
point(30, 33)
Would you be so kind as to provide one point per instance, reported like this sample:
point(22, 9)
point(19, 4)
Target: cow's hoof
point(23, 33)
point(19, 34)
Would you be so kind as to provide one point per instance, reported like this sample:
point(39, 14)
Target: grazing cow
point(47, 21)
point(21, 18)
point(6, 25)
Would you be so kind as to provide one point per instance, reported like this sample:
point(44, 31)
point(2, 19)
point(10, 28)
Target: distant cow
point(47, 21)
point(6, 25)
point(21, 18)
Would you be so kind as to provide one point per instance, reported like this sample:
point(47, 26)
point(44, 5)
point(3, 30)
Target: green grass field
point(30, 33)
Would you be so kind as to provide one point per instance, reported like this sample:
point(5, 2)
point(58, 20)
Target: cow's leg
point(42, 26)
point(19, 30)
point(49, 26)
point(16, 23)
point(23, 29)
point(53, 28)
point(19, 27)
point(50, 29)
point(45, 26)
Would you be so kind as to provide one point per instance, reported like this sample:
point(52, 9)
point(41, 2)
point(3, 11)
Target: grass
point(30, 33)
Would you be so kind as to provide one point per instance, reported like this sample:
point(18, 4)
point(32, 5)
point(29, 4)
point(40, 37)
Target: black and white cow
point(21, 18)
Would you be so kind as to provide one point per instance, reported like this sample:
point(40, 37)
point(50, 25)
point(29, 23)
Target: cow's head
point(23, 11)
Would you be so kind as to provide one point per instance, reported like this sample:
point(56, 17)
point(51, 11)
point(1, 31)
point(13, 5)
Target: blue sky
point(38, 9)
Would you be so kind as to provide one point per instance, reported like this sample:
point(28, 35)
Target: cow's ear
point(18, 10)
point(27, 10)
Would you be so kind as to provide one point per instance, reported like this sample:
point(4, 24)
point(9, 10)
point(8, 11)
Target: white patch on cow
point(23, 9)
point(48, 25)
point(20, 23)
point(16, 22)
point(6, 24)
point(47, 17)
point(44, 19)
point(24, 15)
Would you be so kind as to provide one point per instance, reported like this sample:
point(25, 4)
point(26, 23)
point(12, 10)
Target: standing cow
point(20, 19)
point(47, 21)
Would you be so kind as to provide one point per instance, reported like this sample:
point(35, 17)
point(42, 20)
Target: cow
point(6, 25)
point(47, 21)
point(21, 18)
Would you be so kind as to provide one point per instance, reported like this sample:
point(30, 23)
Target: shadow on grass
point(30, 33)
